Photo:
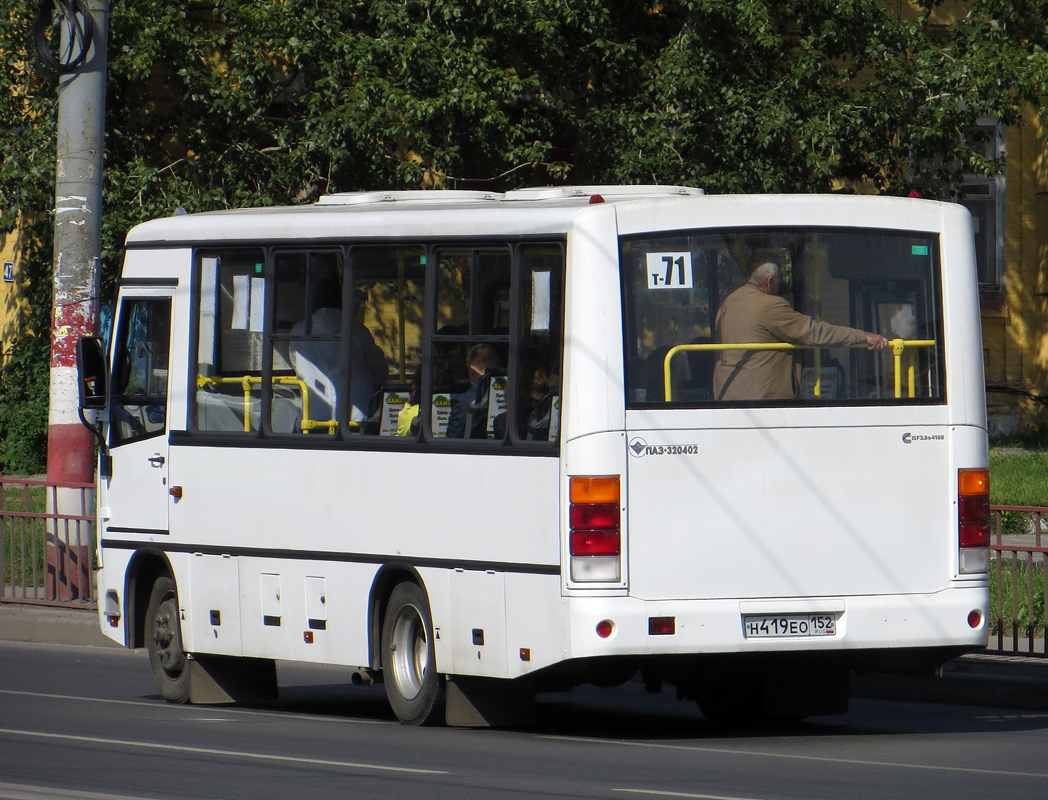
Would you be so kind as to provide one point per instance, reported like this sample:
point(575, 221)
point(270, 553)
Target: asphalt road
point(86, 722)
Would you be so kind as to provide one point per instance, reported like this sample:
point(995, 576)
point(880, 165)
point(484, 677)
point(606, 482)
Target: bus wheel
point(413, 686)
point(164, 641)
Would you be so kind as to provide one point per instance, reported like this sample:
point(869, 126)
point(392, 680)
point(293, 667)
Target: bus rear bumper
point(955, 618)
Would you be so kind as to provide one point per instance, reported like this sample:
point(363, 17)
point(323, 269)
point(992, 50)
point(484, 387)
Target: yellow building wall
point(1015, 320)
point(10, 296)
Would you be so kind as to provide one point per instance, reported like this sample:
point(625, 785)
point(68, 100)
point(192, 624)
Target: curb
point(976, 679)
point(45, 625)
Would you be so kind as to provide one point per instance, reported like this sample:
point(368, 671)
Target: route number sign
point(669, 271)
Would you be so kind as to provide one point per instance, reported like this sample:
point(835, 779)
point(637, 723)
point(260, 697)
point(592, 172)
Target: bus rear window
point(782, 317)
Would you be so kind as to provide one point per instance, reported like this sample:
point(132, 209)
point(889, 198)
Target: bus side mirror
point(92, 373)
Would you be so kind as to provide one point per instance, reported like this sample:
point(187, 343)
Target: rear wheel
point(164, 641)
point(413, 686)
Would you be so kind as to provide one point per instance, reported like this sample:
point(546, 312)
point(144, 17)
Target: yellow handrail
point(247, 381)
point(899, 346)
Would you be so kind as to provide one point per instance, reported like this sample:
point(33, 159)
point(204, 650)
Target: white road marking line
point(207, 751)
point(253, 712)
point(683, 794)
point(21, 791)
point(795, 756)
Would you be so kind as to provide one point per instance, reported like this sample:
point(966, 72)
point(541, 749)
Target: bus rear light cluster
point(973, 520)
point(594, 538)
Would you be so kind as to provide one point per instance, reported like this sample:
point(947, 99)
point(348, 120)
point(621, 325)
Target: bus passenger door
point(136, 495)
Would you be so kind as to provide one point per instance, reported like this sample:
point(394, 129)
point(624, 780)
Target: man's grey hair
point(766, 268)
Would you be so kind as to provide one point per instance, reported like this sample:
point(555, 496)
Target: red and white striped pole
point(77, 249)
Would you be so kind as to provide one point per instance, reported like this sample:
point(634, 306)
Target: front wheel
point(164, 641)
point(413, 686)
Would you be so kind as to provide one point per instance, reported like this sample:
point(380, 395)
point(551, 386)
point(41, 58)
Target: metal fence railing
point(47, 533)
point(1018, 581)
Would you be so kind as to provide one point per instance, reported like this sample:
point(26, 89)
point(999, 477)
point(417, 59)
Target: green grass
point(23, 539)
point(1021, 611)
point(1018, 477)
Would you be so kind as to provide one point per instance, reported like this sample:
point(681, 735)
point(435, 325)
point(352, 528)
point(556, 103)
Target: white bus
point(564, 500)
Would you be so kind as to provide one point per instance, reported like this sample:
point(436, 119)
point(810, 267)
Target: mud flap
point(489, 702)
point(218, 680)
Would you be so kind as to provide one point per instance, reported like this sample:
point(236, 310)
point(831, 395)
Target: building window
point(984, 198)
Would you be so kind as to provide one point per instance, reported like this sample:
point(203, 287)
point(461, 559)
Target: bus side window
point(385, 346)
point(470, 346)
point(537, 377)
point(306, 343)
point(229, 323)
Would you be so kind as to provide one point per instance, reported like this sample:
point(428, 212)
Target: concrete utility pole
point(77, 267)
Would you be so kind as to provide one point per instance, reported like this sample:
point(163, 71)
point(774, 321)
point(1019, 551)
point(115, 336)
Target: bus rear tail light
point(595, 541)
point(973, 520)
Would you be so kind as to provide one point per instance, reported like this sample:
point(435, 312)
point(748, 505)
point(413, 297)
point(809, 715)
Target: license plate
point(762, 626)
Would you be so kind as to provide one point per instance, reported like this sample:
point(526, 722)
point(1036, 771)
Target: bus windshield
point(706, 326)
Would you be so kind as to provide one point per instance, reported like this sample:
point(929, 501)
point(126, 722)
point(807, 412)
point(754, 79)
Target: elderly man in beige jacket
point(755, 313)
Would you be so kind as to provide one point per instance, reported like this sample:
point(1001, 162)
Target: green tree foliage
point(230, 103)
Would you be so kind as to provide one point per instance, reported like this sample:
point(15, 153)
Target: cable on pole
point(82, 30)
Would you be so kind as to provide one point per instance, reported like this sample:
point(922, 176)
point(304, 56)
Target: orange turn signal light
point(594, 489)
point(973, 481)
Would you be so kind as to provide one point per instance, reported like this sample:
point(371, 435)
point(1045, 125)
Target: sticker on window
point(669, 271)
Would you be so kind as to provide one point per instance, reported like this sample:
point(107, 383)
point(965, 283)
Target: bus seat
point(219, 412)
point(286, 413)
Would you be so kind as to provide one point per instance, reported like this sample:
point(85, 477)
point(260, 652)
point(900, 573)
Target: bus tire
point(413, 686)
point(164, 641)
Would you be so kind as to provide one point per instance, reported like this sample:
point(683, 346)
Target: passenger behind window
point(536, 401)
point(469, 409)
point(756, 314)
point(318, 365)
point(368, 369)
point(407, 418)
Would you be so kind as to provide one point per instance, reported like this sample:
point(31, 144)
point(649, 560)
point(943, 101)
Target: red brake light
point(595, 543)
point(595, 515)
point(975, 534)
point(975, 508)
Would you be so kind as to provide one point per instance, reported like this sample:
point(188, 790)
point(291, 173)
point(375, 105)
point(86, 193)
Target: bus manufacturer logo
point(640, 448)
point(910, 438)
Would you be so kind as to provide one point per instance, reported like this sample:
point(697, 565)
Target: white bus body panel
point(314, 513)
point(777, 505)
